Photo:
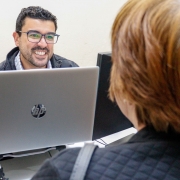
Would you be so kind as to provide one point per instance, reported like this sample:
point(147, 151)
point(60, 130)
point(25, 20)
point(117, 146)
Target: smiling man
point(35, 37)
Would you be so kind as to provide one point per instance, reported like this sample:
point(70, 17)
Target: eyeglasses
point(35, 37)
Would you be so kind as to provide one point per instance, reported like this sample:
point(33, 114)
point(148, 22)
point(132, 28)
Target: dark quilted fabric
point(147, 156)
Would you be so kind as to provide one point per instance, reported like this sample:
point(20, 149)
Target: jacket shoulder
point(138, 160)
point(59, 61)
point(2, 65)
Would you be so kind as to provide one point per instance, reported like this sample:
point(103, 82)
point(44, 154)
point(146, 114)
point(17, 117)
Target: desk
point(23, 168)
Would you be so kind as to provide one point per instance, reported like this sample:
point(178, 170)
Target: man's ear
point(16, 38)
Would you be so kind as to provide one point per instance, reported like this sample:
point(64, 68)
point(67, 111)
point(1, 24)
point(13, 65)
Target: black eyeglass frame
point(41, 36)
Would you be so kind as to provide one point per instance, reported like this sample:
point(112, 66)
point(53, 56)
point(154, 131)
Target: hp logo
point(38, 110)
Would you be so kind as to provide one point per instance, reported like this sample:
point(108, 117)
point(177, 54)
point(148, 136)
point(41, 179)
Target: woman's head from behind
point(146, 61)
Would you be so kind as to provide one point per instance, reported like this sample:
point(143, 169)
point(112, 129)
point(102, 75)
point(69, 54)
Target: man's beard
point(29, 57)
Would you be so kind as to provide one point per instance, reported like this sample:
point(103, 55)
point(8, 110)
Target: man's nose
point(42, 43)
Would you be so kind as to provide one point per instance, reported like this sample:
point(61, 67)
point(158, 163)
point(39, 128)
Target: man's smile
point(40, 53)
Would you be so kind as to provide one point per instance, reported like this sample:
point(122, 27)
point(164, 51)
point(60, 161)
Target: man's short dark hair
point(34, 12)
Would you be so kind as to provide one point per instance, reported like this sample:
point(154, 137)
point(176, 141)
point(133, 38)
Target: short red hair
point(146, 61)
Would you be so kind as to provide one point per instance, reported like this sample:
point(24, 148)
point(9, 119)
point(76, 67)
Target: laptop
point(46, 108)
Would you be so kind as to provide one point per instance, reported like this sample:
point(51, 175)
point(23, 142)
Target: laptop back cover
point(46, 108)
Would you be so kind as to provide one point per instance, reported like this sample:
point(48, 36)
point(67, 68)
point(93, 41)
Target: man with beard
point(35, 37)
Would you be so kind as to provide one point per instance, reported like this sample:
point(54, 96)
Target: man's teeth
point(40, 53)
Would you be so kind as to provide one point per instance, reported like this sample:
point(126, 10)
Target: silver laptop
point(46, 108)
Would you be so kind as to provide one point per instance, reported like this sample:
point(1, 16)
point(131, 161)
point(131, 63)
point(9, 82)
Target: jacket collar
point(149, 134)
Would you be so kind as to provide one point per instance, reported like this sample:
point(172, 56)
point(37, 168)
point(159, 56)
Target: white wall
point(84, 26)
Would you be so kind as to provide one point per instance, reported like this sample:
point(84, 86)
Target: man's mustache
point(39, 48)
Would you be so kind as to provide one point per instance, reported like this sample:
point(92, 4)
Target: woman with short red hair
point(145, 83)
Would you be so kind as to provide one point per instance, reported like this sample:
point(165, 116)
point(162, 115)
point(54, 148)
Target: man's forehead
point(38, 25)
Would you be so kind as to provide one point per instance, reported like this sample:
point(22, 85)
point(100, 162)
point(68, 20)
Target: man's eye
point(34, 36)
point(50, 37)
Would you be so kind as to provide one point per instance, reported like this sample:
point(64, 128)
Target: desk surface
point(23, 168)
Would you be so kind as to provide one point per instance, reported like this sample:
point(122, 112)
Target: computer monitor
point(108, 117)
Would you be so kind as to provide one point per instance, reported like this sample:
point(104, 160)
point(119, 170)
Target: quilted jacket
point(56, 61)
point(148, 155)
